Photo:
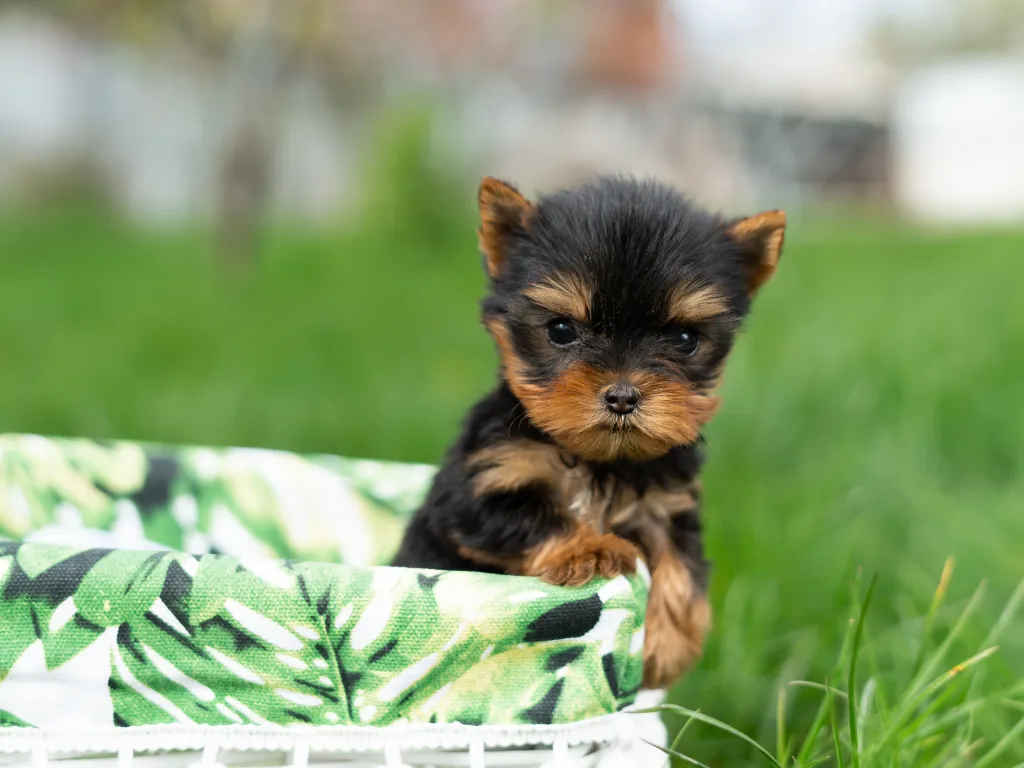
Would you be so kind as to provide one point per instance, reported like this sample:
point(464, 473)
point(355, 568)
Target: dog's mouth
point(622, 438)
point(621, 423)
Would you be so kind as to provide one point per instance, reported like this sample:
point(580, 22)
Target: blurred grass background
point(872, 420)
point(874, 408)
point(873, 417)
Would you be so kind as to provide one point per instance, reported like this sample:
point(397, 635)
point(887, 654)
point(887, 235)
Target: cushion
point(149, 585)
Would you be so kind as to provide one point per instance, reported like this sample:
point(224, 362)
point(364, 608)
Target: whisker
point(517, 423)
point(511, 415)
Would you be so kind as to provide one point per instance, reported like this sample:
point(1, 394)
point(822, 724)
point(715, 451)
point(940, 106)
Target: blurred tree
point(413, 189)
point(255, 58)
point(252, 51)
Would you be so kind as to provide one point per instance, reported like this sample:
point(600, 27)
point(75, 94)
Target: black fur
point(510, 524)
point(635, 243)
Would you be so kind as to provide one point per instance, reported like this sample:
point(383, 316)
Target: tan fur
point(502, 209)
point(690, 304)
point(657, 506)
point(481, 557)
point(762, 234)
point(678, 618)
point(564, 295)
point(579, 557)
point(576, 557)
point(522, 463)
point(670, 413)
point(519, 464)
point(677, 615)
point(513, 465)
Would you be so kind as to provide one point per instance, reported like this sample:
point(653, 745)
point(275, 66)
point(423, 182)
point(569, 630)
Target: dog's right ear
point(503, 211)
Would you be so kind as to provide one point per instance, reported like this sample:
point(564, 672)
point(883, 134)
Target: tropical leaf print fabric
point(239, 501)
point(98, 637)
point(163, 632)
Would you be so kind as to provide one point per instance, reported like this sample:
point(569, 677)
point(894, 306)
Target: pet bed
point(191, 605)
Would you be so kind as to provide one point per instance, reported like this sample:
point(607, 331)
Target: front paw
point(576, 560)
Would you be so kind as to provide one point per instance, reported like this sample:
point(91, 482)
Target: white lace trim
point(605, 730)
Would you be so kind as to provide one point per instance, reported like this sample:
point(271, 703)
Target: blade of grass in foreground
point(811, 740)
point(867, 701)
point(674, 746)
point(1008, 614)
point(920, 686)
point(936, 658)
point(812, 735)
point(950, 719)
point(851, 687)
point(818, 687)
point(937, 599)
point(917, 724)
point(694, 714)
point(957, 670)
point(678, 755)
point(1009, 738)
point(834, 726)
point(783, 743)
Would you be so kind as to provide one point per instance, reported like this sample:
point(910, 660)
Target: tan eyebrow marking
point(690, 303)
point(564, 295)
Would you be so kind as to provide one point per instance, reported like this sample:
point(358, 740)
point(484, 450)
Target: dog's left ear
point(760, 236)
point(503, 212)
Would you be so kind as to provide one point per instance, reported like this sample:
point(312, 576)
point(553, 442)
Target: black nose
point(621, 398)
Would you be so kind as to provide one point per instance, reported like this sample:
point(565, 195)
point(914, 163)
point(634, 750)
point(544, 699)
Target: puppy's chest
point(607, 502)
point(611, 503)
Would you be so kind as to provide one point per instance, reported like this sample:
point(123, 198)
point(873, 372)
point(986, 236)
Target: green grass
point(924, 711)
point(873, 423)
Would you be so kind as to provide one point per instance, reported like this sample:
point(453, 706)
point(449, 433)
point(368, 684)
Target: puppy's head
point(614, 306)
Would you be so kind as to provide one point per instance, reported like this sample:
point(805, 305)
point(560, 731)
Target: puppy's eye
point(689, 340)
point(562, 333)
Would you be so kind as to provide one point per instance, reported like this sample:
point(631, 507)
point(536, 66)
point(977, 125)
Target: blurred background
point(251, 222)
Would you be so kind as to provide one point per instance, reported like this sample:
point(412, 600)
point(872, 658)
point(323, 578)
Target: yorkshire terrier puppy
point(613, 307)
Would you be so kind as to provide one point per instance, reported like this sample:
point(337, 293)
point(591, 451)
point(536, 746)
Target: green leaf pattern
point(292, 619)
point(240, 501)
